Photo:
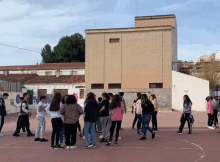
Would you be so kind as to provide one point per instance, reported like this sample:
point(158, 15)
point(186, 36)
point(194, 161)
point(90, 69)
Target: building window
point(114, 40)
point(49, 73)
point(156, 85)
point(81, 94)
point(41, 92)
point(114, 86)
point(73, 72)
point(97, 86)
point(62, 91)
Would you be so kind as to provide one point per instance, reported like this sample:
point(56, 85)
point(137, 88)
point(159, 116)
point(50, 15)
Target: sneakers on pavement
point(73, 147)
point(43, 140)
point(143, 138)
point(88, 147)
point(37, 139)
point(58, 147)
point(178, 132)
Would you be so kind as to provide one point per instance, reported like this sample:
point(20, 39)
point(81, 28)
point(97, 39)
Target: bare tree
point(210, 71)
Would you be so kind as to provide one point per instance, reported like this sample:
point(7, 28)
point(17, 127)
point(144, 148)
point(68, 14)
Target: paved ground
point(202, 145)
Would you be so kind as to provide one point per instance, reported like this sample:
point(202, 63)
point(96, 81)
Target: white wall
point(197, 89)
point(217, 56)
point(50, 87)
point(12, 96)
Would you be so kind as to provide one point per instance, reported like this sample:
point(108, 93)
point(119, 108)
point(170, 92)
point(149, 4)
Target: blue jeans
point(62, 131)
point(145, 121)
point(89, 126)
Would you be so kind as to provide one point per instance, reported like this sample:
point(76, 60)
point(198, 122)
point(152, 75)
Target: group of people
point(212, 108)
point(103, 116)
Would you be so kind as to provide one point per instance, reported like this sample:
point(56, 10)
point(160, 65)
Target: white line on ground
point(203, 154)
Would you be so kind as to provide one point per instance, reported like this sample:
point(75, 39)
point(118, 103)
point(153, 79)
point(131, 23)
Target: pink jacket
point(117, 115)
point(209, 107)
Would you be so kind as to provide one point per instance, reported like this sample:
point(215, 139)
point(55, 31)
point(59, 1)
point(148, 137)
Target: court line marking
point(203, 153)
point(16, 142)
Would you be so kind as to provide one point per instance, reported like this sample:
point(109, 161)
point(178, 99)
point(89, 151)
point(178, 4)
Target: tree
point(210, 71)
point(68, 49)
point(47, 54)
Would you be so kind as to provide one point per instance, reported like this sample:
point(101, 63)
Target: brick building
point(138, 59)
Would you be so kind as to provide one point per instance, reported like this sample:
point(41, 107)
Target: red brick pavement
point(202, 145)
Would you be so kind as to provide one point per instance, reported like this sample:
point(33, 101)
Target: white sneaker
point(118, 138)
point(67, 147)
point(101, 136)
point(1, 135)
point(84, 137)
point(73, 147)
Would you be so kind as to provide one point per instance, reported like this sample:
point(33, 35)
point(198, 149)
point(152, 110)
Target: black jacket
point(91, 112)
point(147, 108)
point(2, 107)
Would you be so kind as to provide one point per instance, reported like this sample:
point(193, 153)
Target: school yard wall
point(197, 89)
point(50, 89)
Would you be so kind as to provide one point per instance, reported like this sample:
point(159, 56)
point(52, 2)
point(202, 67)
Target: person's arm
point(80, 110)
point(17, 106)
point(103, 108)
point(47, 110)
point(62, 111)
point(23, 108)
point(123, 108)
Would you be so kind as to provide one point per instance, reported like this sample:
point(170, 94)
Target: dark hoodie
point(2, 107)
point(147, 108)
point(91, 112)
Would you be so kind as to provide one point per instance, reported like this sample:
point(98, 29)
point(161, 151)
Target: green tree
point(47, 54)
point(68, 49)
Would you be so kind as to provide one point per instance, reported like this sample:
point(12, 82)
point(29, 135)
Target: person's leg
point(156, 120)
point(19, 120)
point(62, 131)
point(43, 127)
point(189, 122)
point(2, 120)
point(79, 127)
point(117, 130)
point(215, 117)
point(139, 122)
point(73, 134)
point(209, 119)
point(86, 132)
point(93, 133)
point(147, 119)
point(182, 124)
point(143, 123)
point(27, 123)
point(153, 120)
point(112, 130)
point(39, 125)
point(59, 126)
point(109, 123)
point(135, 120)
point(23, 128)
point(54, 126)
point(103, 123)
point(67, 134)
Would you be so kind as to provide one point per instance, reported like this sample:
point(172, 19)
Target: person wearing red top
point(210, 112)
point(117, 108)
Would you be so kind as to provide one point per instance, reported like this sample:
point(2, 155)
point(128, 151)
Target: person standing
point(154, 115)
point(121, 94)
point(62, 130)
point(3, 112)
point(91, 116)
point(134, 109)
point(98, 123)
point(25, 113)
point(18, 106)
point(210, 112)
point(104, 115)
point(187, 104)
point(147, 110)
point(118, 110)
point(139, 113)
point(56, 119)
point(72, 111)
point(215, 105)
point(41, 122)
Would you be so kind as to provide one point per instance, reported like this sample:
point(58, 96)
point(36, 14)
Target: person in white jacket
point(18, 106)
point(137, 105)
point(56, 119)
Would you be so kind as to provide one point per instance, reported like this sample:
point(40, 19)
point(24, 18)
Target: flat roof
point(155, 17)
point(131, 29)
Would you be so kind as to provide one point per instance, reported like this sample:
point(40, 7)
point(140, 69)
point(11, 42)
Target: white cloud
point(175, 6)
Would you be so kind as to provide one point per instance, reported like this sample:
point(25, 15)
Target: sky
point(31, 24)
